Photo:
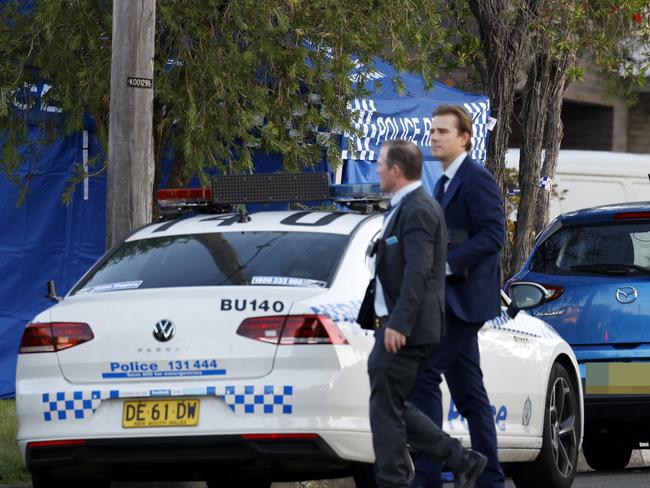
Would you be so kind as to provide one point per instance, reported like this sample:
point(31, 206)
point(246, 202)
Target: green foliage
point(231, 78)
point(12, 469)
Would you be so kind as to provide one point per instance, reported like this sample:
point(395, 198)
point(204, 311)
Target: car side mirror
point(526, 295)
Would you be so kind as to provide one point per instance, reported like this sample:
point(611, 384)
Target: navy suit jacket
point(476, 224)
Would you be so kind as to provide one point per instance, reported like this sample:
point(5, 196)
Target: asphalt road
point(629, 478)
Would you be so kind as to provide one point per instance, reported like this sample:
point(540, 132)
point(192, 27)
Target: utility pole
point(130, 136)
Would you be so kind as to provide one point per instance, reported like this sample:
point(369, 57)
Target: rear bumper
point(615, 407)
point(624, 417)
point(190, 458)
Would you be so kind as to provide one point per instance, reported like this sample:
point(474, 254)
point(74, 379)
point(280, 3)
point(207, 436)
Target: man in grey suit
point(405, 304)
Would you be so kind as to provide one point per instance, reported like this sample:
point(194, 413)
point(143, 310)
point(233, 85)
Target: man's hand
point(394, 340)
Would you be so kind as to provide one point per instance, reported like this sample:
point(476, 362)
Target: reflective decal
point(500, 416)
point(241, 399)
point(124, 285)
point(527, 412)
point(339, 312)
point(287, 281)
point(162, 369)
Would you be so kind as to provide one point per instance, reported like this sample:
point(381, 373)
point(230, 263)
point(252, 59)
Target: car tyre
point(555, 467)
point(364, 476)
point(605, 453)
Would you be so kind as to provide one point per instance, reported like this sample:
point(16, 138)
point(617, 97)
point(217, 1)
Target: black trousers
point(394, 422)
point(459, 360)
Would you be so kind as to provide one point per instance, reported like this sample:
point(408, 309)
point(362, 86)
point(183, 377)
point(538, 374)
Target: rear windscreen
point(220, 259)
point(625, 247)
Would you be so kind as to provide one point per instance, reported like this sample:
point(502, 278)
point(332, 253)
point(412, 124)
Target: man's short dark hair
point(463, 120)
point(407, 156)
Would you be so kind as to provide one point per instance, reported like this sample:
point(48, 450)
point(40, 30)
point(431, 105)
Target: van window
point(581, 249)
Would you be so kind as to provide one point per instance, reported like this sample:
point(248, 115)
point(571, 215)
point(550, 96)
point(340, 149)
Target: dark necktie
point(439, 191)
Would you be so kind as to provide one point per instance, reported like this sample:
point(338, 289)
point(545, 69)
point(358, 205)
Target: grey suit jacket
point(410, 263)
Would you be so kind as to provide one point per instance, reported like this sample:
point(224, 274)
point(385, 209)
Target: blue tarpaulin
point(43, 239)
point(388, 113)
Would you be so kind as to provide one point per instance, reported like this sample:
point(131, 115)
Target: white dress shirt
point(380, 302)
point(452, 169)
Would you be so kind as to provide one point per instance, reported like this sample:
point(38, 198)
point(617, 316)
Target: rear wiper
point(609, 268)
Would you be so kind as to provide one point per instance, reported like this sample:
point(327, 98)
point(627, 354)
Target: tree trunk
point(553, 134)
point(130, 138)
point(541, 115)
point(537, 93)
point(504, 33)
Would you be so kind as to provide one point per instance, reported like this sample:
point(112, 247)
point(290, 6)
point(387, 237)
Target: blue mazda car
point(595, 264)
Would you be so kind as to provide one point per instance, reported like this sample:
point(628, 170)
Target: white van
point(594, 178)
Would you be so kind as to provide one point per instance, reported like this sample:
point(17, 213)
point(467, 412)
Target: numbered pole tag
point(134, 82)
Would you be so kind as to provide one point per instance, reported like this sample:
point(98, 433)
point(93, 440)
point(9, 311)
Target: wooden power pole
point(130, 137)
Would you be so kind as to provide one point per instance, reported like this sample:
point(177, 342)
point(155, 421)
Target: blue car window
point(572, 250)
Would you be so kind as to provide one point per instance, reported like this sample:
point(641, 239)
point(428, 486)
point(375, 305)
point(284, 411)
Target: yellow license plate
point(631, 378)
point(181, 412)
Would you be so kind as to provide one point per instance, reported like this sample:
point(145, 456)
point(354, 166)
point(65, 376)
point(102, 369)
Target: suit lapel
point(455, 182)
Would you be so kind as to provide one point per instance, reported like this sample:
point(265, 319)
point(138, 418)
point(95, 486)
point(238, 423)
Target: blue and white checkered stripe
point(259, 399)
point(525, 325)
point(479, 113)
point(77, 405)
point(244, 399)
point(505, 323)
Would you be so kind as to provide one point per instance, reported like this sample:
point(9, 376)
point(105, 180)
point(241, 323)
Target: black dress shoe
point(471, 467)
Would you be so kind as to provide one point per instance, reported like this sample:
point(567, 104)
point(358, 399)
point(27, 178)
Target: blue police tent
point(43, 239)
point(389, 114)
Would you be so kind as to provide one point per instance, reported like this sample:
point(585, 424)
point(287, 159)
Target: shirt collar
point(399, 195)
point(452, 169)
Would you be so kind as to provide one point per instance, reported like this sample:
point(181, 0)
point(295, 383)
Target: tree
point(604, 32)
point(509, 42)
point(231, 78)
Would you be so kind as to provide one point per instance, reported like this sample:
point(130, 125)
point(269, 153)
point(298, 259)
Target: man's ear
point(398, 170)
point(465, 138)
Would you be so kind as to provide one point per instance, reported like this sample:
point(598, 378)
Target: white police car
point(224, 347)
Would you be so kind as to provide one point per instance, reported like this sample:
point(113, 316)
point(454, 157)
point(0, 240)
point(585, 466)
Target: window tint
point(605, 243)
point(221, 259)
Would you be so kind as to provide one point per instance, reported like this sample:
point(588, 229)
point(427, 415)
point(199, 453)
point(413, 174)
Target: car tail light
point(54, 337)
point(71, 442)
point(265, 329)
point(631, 215)
point(311, 329)
point(292, 330)
point(554, 292)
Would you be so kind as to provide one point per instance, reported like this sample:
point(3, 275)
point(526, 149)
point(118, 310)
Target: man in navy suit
point(471, 202)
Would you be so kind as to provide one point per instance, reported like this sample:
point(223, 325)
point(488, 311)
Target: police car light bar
point(228, 190)
point(185, 195)
point(270, 188)
point(367, 192)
